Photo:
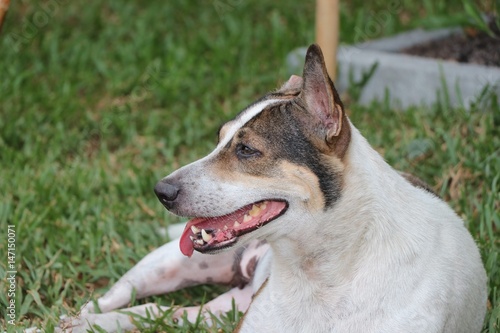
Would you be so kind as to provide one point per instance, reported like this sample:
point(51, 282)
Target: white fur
point(239, 122)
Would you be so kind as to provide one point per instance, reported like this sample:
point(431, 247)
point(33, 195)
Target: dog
point(311, 227)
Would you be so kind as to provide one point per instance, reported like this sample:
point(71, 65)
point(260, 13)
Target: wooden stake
point(4, 7)
point(327, 32)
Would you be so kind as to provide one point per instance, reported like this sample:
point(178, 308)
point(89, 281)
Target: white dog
point(334, 239)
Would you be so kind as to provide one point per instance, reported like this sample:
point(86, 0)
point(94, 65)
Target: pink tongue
point(185, 243)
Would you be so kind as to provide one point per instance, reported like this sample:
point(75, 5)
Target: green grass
point(99, 100)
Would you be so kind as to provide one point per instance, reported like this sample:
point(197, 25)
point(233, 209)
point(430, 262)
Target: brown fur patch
point(252, 264)
point(341, 142)
point(305, 182)
point(240, 324)
point(417, 182)
point(238, 280)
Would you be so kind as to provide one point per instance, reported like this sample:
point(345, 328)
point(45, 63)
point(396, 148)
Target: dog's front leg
point(123, 319)
point(109, 322)
point(164, 270)
point(219, 305)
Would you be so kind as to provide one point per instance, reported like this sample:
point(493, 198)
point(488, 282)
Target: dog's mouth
point(207, 234)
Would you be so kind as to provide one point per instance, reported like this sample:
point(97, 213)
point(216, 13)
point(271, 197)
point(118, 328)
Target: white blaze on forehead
point(235, 125)
point(230, 130)
point(239, 122)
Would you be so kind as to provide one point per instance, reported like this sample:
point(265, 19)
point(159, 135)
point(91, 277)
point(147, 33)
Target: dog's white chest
point(277, 311)
point(272, 312)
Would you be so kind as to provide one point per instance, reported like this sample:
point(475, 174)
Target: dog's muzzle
point(166, 193)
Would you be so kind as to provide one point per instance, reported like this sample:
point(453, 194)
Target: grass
point(101, 100)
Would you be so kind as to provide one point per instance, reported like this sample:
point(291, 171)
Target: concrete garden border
point(406, 80)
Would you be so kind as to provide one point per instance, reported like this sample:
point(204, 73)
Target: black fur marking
point(289, 142)
point(238, 279)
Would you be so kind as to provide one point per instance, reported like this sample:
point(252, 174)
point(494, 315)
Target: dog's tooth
point(199, 241)
point(194, 229)
point(236, 224)
point(246, 218)
point(254, 211)
point(206, 237)
point(192, 238)
point(225, 228)
point(263, 205)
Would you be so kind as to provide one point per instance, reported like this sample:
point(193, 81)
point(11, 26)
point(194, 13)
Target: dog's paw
point(109, 322)
point(74, 324)
point(87, 308)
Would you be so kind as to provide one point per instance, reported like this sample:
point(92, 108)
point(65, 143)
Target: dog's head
point(281, 158)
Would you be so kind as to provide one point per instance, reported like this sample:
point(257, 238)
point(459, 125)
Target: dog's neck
point(326, 254)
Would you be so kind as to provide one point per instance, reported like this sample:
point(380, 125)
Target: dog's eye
point(244, 151)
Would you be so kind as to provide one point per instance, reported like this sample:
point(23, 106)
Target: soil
point(472, 46)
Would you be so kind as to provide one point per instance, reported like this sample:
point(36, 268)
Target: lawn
point(100, 100)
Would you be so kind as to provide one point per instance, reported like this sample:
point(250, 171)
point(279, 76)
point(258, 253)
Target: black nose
point(166, 193)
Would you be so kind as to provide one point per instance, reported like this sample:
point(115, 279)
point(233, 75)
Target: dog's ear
point(293, 83)
point(320, 96)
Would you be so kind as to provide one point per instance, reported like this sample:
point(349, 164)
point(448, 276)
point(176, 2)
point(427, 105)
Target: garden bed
point(419, 68)
point(470, 46)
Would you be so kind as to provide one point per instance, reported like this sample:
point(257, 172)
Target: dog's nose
point(166, 193)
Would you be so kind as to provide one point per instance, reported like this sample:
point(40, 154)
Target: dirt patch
point(471, 46)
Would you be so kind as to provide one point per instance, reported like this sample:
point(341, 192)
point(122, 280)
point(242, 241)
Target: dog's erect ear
point(293, 83)
point(320, 96)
